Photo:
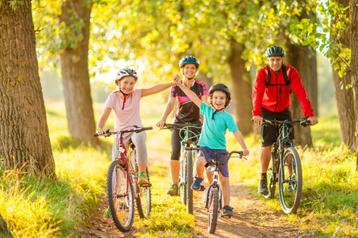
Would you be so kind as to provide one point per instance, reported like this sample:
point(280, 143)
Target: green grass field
point(45, 208)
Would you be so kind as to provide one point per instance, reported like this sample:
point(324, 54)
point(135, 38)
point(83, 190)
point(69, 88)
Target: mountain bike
point(122, 183)
point(189, 134)
point(285, 166)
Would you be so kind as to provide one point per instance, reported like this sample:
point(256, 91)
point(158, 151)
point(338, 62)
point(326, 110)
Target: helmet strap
point(125, 96)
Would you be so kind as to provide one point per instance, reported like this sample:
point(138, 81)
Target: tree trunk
point(304, 60)
point(75, 76)
point(24, 138)
point(242, 93)
point(204, 77)
point(344, 92)
point(354, 67)
point(344, 98)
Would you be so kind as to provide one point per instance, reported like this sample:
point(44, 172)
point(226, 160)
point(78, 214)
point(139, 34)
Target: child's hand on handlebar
point(245, 152)
point(160, 123)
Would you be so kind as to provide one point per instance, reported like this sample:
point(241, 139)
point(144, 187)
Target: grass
point(47, 208)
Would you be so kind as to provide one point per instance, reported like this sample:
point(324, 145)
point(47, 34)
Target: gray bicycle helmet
point(126, 72)
point(189, 60)
point(274, 51)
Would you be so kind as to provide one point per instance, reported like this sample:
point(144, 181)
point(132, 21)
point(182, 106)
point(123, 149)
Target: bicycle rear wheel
point(189, 181)
point(273, 175)
point(120, 196)
point(290, 181)
point(144, 200)
point(213, 208)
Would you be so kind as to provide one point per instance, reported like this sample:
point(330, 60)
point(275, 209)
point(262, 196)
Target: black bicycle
point(189, 134)
point(122, 184)
point(285, 166)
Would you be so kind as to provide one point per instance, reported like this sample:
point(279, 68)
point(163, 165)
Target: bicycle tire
point(189, 181)
point(290, 187)
point(273, 175)
point(144, 194)
point(117, 179)
point(213, 209)
point(141, 193)
point(182, 180)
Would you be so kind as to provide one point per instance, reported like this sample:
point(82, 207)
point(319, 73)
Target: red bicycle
point(122, 183)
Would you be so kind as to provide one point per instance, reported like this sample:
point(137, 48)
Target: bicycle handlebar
point(180, 125)
point(240, 153)
point(108, 132)
point(302, 121)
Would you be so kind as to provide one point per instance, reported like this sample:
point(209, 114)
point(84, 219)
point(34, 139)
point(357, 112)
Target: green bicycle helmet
point(189, 60)
point(274, 51)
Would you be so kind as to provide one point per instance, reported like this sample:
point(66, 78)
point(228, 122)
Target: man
point(271, 100)
point(187, 112)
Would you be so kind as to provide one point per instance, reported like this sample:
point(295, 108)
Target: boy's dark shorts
point(269, 132)
point(220, 155)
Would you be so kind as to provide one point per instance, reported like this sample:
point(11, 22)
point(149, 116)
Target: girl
point(126, 105)
point(212, 138)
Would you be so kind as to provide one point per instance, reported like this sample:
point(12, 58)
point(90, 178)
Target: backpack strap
point(268, 74)
point(285, 75)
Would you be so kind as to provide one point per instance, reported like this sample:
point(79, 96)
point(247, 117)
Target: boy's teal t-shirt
point(213, 130)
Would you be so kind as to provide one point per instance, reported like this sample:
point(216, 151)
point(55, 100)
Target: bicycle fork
point(214, 185)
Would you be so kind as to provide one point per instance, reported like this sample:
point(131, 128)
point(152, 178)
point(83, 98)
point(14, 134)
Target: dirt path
point(251, 219)
point(100, 226)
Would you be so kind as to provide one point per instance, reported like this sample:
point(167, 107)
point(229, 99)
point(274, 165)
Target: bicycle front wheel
point(144, 200)
point(182, 179)
point(189, 181)
point(290, 181)
point(120, 196)
point(213, 208)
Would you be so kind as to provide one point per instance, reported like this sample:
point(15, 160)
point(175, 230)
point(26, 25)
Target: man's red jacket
point(276, 98)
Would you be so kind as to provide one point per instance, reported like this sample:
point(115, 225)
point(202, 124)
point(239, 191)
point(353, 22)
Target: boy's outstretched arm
point(241, 141)
point(190, 94)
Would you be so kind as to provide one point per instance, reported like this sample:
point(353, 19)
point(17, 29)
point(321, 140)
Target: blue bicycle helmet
point(189, 60)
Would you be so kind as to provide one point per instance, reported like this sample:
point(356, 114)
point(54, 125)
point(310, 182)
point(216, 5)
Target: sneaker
point(196, 185)
point(226, 211)
point(173, 190)
point(263, 187)
point(143, 179)
point(107, 213)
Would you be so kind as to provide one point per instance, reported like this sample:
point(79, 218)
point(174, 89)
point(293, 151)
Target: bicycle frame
point(283, 139)
point(214, 168)
point(188, 144)
point(122, 162)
